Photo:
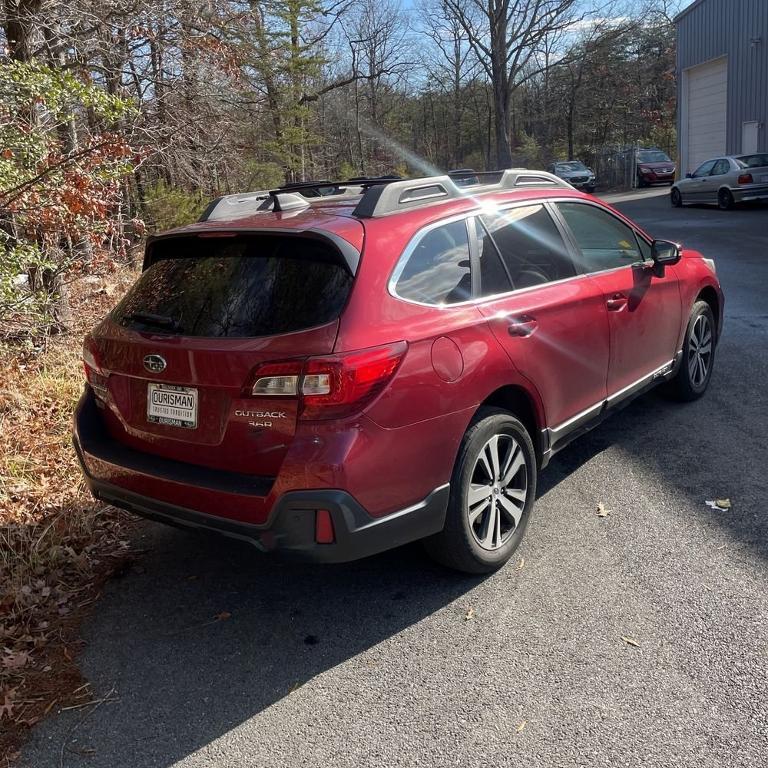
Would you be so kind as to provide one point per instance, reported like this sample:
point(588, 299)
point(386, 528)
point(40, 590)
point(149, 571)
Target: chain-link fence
point(616, 167)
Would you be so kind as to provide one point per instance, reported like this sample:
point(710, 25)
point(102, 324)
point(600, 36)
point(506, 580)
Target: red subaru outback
point(336, 370)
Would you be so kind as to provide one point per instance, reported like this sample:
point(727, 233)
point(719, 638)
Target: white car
point(724, 182)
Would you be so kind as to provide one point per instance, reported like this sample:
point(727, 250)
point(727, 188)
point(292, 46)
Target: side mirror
point(688, 175)
point(664, 254)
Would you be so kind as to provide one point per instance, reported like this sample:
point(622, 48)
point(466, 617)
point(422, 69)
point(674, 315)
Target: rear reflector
point(746, 178)
point(324, 533)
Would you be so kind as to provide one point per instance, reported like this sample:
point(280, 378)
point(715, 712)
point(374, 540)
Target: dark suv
point(394, 360)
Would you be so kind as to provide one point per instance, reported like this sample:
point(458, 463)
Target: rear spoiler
point(350, 256)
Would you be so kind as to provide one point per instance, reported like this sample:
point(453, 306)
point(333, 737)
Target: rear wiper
point(149, 318)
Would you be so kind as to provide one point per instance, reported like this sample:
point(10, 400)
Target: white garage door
point(707, 109)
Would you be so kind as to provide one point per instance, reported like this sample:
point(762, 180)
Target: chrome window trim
point(548, 203)
point(411, 247)
point(466, 216)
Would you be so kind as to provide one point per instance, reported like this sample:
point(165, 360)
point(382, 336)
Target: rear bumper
point(747, 194)
point(291, 529)
point(290, 525)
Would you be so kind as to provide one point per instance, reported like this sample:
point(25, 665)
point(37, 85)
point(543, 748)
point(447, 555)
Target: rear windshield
point(752, 161)
point(237, 287)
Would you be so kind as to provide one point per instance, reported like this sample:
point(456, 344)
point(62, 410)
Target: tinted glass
point(721, 167)
point(752, 161)
point(645, 248)
point(438, 269)
point(704, 170)
point(493, 276)
point(530, 245)
point(603, 240)
point(653, 156)
point(237, 288)
point(573, 166)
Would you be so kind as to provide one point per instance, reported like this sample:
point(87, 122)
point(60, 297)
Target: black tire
point(590, 190)
point(724, 200)
point(458, 544)
point(641, 182)
point(676, 198)
point(687, 384)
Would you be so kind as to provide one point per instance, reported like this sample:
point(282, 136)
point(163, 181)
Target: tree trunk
point(501, 97)
point(19, 27)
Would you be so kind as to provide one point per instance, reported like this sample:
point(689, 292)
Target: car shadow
point(694, 450)
point(203, 633)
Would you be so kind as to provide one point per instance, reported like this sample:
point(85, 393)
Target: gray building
point(722, 80)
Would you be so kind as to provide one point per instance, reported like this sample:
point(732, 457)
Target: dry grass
point(57, 544)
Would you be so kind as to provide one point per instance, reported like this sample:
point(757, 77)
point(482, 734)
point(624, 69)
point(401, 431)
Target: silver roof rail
point(381, 197)
point(514, 178)
point(395, 196)
point(286, 201)
point(235, 206)
point(511, 178)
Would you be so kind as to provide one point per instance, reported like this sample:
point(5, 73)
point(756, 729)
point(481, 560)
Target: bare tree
point(506, 36)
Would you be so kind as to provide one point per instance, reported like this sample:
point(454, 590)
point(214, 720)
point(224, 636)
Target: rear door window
point(721, 167)
point(530, 244)
point(437, 270)
point(243, 286)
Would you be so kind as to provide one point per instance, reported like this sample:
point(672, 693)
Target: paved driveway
point(377, 663)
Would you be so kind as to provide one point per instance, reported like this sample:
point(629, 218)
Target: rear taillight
point(93, 373)
point(336, 385)
point(331, 386)
point(277, 379)
point(746, 178)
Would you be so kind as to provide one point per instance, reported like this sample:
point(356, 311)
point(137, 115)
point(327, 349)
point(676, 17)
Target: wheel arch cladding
point(709, 295)
point(522, 405)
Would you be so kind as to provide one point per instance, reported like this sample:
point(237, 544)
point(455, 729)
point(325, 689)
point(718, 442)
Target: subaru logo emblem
point(154, 363)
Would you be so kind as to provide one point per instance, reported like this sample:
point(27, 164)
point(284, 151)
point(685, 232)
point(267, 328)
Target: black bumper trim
point(94, 440)
point(291, 529)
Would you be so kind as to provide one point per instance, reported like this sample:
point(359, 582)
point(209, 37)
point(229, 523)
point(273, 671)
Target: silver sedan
point(724, 181)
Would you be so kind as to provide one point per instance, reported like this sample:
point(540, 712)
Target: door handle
point(522, 325)
point(617, 302)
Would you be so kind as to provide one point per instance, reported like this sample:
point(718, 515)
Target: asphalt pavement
point(636, 639)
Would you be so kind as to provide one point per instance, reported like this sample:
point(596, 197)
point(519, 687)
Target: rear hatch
point(181, 351)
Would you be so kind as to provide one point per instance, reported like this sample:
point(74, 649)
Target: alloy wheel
point(498, 491)
point(700, 350)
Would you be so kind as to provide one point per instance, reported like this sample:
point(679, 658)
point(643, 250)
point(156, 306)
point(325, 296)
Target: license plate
point(168, 404)
point(764, 178)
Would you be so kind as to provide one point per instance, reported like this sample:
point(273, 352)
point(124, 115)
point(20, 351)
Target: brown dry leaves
point(54, 539)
